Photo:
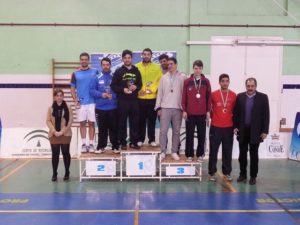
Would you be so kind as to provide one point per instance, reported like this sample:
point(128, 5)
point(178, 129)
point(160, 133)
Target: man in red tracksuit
point(196, 104)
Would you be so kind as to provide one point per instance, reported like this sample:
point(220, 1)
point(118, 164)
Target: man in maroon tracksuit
point(196, 105)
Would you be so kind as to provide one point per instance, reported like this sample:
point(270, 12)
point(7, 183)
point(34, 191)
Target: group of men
point(140, 93)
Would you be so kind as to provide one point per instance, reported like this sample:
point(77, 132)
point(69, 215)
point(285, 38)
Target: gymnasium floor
point(29, 197)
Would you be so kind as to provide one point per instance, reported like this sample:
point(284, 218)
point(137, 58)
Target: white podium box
point(100, 166)
point(140, 164)
point(180, 169)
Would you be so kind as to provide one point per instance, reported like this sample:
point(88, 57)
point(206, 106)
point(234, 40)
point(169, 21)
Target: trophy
point(148, 84)
point(108, 91)
point(129, 84)
point(79, 99)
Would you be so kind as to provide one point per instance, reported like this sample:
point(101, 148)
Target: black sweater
point(122, 78)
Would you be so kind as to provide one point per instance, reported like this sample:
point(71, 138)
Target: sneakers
point(227, 177)
point(200, 159)
point(162, 156)
point(140, 144)
point(213, 178)
point(99, 151)
point(134, 146)
point(175, 156)
point(189, 159)
point(116, 151)
point(83, 148)
point(91, 148)
point(153, 144)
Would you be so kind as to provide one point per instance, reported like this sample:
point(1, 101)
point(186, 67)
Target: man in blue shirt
point(106, 108)
point(84, 102)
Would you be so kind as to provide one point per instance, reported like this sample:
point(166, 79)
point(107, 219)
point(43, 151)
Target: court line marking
point(136, 210)
point(14, 171)
point(152, 211)
point(8, 164)
point(228, 184)
point(296, 219)
point(70, 211)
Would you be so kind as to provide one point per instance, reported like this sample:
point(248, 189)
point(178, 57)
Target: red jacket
point(190, 103)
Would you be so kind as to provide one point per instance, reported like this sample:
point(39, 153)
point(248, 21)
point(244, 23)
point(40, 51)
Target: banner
point(295, 143)
point(116, 58)
point(30, 143)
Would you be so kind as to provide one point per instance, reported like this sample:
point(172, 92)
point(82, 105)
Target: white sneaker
point(108, 148)
point(189, 159)
point(200, 159)
point(175, 156)
point(153, 144)
point(162, 156)
point(140, 144)
point(83, 148)
point(91, 148)
point(117, 151)
point(98, 151)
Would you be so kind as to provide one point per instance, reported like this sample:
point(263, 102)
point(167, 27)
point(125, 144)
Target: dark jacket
point(122, 78)
point(260, 118)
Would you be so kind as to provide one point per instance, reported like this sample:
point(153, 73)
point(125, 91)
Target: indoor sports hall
point(97, 129)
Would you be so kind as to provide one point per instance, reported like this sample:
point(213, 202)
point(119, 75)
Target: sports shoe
point(153, 144)
point(83, 148)
point(162, 156)
point(134, 146)
point(91, 148)
point(200, 159)
point(116, 151)
point(213, 178)
point(175, 156)
point(227, 177)
point(99, 151)
point(189, 159)
point(140, 144)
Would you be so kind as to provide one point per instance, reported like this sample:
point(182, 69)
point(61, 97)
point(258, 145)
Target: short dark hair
point(163, 56)
point(251, 79)
point(126, 52)
point(57, 91)
point(106, 59)
point(223, 75)
point(148, 50)
point(198, 63)
point(84, 54)
point(173, 59)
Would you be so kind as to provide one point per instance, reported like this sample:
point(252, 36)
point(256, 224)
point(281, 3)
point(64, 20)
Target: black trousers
point(107, 122)
point(217, 136)
point(65, 149)
point(253, 149)
point(191, 123)
point(147, 119)
point(128, 109)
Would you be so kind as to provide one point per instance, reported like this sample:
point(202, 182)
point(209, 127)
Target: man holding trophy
point(127, 82)
point(151, 74)
point(106, 108)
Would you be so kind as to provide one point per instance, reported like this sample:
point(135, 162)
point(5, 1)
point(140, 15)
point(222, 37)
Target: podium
point(180, 169)
point(144, 163)
point(141, 164)
point(106, 165)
